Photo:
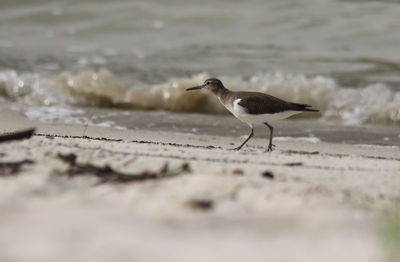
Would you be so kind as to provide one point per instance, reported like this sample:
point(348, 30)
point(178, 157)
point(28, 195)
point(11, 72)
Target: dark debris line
point(107, 174)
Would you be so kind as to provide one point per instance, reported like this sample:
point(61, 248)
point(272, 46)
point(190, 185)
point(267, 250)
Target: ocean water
point(340, 56)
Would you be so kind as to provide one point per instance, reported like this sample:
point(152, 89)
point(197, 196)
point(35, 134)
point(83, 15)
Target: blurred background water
point(340, 56)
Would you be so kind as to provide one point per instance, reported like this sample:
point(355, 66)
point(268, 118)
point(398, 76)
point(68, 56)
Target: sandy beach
point(105, 156)
point(305, 201)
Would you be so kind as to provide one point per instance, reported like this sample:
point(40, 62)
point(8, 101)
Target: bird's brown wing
point(259, 103)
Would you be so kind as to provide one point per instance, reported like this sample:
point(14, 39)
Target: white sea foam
point(375, 103)
point(376, 146)
point(304, 139)
point(291, 138)
point(65, 115)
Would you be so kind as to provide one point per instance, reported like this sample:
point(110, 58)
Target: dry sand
point(325, 201)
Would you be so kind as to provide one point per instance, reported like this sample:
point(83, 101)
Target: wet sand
point(301, 202)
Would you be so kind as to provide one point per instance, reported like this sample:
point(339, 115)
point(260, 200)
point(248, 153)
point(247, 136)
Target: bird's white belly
point(240, 112)
point(262, 118)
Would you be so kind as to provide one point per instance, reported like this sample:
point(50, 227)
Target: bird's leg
point(245, 141)
point(271, 132)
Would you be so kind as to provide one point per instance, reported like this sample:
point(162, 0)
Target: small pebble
point(200, 204)
point(237, 171)
point(268, 174)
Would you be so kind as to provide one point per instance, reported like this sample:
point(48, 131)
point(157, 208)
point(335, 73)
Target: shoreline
point(197, 124)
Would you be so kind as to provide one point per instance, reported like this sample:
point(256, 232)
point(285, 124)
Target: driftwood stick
point(17, 135)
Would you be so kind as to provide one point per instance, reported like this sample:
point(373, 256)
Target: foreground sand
point(302, 202)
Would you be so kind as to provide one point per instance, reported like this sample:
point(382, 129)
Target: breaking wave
point(375, 103)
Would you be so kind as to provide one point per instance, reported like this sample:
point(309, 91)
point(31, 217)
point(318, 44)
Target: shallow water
point(340, 56)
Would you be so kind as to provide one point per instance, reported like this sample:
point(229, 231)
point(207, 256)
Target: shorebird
point(253, 107)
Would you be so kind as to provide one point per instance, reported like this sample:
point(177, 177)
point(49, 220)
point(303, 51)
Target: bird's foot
point(236, 148)
point(270, 147)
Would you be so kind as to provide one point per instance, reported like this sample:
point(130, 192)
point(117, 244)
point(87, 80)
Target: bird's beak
point(194, 88)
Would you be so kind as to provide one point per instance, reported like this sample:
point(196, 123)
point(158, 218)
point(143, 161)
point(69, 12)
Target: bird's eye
point(208, 82)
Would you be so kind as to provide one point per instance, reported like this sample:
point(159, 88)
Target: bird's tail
point(304, 107)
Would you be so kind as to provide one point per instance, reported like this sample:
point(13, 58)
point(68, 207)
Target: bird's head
point(214, 85)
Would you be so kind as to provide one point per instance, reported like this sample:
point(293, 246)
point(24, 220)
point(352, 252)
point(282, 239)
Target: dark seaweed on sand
point(12, 168)
point(108, 174)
